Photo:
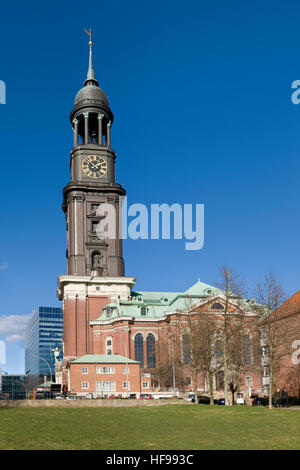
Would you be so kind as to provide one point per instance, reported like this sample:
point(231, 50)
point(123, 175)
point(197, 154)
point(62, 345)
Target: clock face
point(94, 166)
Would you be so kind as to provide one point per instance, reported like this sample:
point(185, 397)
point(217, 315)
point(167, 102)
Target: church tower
point(92, 186)
point(91, 199)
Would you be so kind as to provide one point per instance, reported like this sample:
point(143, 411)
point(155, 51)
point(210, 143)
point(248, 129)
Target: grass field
point(161, 427)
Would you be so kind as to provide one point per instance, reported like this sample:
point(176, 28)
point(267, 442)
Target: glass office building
point(13, 386)
point(43, 334)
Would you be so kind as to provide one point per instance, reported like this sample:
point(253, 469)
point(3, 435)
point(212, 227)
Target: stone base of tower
point(83, 299)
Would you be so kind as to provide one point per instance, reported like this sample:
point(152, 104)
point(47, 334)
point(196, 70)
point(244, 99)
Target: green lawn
point(160, 427)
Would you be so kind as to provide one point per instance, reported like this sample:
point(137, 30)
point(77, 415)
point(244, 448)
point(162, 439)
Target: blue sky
point(201, 93)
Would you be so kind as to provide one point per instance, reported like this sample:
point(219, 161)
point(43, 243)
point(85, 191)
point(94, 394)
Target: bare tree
point(275, 331)
point(193, 344)
point(205, 329)
point(231, 325)
point(188, 338)
point(236, 359)
point(168, 370)
point(198, 337)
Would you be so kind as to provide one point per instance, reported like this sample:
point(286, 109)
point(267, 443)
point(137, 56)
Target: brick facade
point(107, 378)
point(288, 372)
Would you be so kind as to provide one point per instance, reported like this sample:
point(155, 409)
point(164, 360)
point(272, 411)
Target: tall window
point(246, 347)
point(248, 381)
point(186, 349)
point(219, 349)
point(139, 349)
point(220, 380)
point(96, 260)
point(188, 381)
point(108, 345)
point(94, 226)
point(150, 350)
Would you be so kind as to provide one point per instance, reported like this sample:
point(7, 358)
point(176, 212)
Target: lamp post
point(171, 336)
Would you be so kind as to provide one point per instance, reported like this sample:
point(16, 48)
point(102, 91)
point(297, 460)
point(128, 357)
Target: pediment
point(217, 305)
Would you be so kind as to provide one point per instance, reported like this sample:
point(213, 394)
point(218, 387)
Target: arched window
point(96, 259)
point(246, 347)
point(139, 349)
point(150, 350)
point(186, 349)
point(220, 380)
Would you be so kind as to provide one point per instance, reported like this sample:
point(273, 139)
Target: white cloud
point(13, 326)
point(14, 338)
point(3, 266)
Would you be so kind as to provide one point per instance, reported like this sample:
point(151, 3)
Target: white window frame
point(125, 370)
point(84, 385)
point(145, 384)
point(105, 370)
point(84, 370)
point(126, 385)
point(105, 386)
point(248, 382)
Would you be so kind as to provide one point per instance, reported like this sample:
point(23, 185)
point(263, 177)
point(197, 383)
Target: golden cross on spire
point(89, 33)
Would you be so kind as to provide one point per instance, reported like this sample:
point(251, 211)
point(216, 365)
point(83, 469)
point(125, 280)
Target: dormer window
point(108, 312)
point(143, 311)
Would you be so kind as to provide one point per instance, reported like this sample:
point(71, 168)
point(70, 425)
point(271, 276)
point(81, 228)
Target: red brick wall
point(288, 373)
point(78, 337)
point(77, 377)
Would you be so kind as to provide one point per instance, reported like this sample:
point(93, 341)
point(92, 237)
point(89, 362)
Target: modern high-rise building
point(43, 334)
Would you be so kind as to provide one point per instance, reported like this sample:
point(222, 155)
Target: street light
point(171, 335)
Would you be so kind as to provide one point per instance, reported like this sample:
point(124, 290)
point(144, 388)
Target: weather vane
point(89, 33)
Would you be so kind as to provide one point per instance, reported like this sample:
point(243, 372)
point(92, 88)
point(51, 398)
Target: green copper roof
point(157, 304)
point(103, 359)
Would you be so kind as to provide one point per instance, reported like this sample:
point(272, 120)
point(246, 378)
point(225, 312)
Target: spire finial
point(89, 33)
point(91, 73)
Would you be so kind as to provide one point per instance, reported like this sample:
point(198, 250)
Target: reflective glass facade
point(14, 387)
point(44, 333)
